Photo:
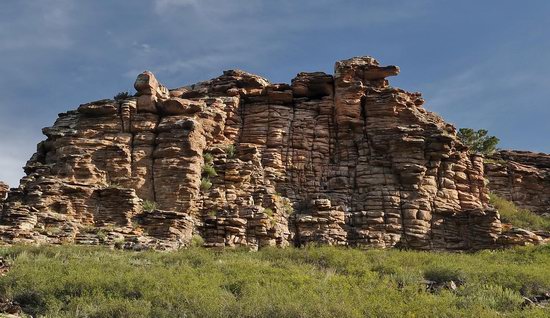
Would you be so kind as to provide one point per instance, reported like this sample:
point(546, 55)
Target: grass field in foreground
point(72, 281)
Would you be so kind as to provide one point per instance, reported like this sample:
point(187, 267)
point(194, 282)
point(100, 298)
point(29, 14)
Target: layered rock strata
point(3, 191)
point(521, 177)
point(341, 159)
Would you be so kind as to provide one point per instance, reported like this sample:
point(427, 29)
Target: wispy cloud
point(499, 92)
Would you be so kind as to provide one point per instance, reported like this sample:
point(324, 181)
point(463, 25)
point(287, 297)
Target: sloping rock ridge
point(341, 159)
point(522, 177)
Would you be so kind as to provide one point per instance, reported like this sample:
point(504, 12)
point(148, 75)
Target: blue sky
point(480, 64)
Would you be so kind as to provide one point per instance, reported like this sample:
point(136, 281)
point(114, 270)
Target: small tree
point(478, 141)
point(121, 96)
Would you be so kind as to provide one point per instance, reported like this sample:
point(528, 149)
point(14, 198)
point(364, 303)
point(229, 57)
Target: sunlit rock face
point(522, 177)
point(341, 159)
point(3, 191)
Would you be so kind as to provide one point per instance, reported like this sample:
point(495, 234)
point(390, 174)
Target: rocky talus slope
point(340, 159)
point(521, 177)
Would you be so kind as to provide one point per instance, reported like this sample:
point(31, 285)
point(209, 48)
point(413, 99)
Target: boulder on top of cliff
point(246, 80)
point(365, 68)
point(146, 83)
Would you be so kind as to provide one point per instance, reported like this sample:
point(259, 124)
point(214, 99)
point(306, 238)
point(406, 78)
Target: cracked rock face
point(341, 159)
point(521, 177)
point(3, 191)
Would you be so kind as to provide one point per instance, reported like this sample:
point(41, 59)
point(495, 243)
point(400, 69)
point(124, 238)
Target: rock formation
point(340, 159)
point(3, 191)
point(521, 177)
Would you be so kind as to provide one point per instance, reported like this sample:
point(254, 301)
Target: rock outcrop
point(3, 191)
point(521, 177)
point(341, 159)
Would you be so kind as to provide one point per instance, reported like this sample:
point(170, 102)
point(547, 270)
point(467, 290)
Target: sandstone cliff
point(340, 159)
point(3, 191)
point(521, 177)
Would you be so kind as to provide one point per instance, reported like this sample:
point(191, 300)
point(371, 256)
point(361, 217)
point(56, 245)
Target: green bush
point(196, 241)
point(209, 171)
point(206, 184)
point(101, 235)
point(493, 297)
point(522, 218)
point(208, 158)
point(149, 206)
point(478, 141)
point(268, 212)
point(122, 96)
point(441, 274)
point(230, 151)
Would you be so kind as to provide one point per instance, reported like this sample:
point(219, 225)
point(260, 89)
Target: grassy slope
point(526, 219)
point(72, 281)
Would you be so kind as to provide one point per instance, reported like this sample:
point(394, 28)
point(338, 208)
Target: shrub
point(491, 297)
point(441, 274)
point(196, 241)
point(209, 170)
point(288, 207)
point(268, 212)
point(230, 151)
point(522, 218)
point(121, 96)
point(206, 184)
point(149, 206)
point(208, 158)
point(478, 141)
point(119, 243)
point(101, 235)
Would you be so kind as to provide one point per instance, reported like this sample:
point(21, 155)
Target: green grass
point(521, 218)
point(208, 158)
point(206, 184)
point(149, 206)
point(268, 212)
point(209, 170)
point(230, 151)
point(72, 281)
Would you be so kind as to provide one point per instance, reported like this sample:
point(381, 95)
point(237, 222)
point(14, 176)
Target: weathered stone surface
point(4, 188)
point(180, 106)
point(339, 159)
point(521, 177)
point(150, 92)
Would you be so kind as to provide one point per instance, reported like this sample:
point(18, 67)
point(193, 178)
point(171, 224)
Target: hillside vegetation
point(73, 281)
point(522, 218)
